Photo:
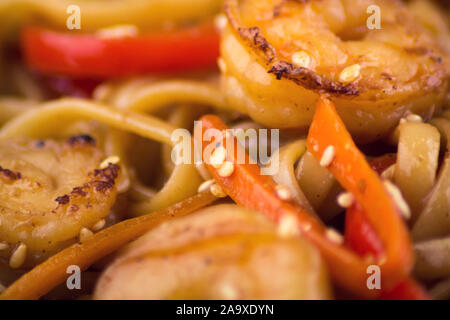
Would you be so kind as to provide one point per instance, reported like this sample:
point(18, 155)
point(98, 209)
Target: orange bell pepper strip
point(52, 272)
point(250, 189)
point(352, 171)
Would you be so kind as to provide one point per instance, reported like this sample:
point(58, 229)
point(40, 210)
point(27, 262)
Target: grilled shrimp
point(49, 191)
point(277, 56)
point(221, 252)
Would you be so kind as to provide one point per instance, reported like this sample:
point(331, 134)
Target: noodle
point(66, 111)
point(287, 157)
point(434, 220)
point(143, 13)
point(433, 259)
point(376, 104)
point(417, 161)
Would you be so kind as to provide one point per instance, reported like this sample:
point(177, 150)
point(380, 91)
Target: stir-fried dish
point(235, 149)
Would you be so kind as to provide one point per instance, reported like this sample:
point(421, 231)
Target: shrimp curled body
point(220, 252)
point(49, 191)
point(279, 55)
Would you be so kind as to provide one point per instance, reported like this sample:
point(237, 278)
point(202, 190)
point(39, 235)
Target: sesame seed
point(316, 148)
point(85, 233)
point(369, 259)
point(403, 120)
point(288, 226)
point(334, 236)
point(220, 21)
point(350, 74)
point(206, 185)
point(346, 199)
point(18, 257)
point(226, 169)
point(389, 172)
point(99, 225)
point(397, 196)
point(414, 118)
point(228, 292)
point(327, 156)
point(217, 191)
point(283, 192)
point(301, 59)
point(110, 160)
point(3, 246)
point(218, 157)
point(118, 31)
point(306, 227)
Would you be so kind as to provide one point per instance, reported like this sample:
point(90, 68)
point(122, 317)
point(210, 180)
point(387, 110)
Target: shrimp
point(278, 56)
point(220, 252)
point(49, 191)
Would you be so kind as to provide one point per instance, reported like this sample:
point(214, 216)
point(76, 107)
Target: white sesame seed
point(18, 257)
point(288, 226)
point(220, 21)
point(327, 156)
point(306, 227)
point(389, 172)
point(85, 233)
point(3, 246)
point(228, 292)
point(110, 160)
point(334, 236)
point(99, 225)
point(218, 157)
point(403, 120)
point(301, 59)
point(350, 74)
point(217, 191)
point(316, 148)
point(118, 31)
point(283, 192)
point(226, 169)
point(206, 185)
point(397, 196)
point(346, 199)
point(414, 118)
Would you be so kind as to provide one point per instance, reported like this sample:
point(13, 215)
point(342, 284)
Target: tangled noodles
point(355, 119)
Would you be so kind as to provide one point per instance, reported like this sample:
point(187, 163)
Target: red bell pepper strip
point(92, 56)
point(351, 169)
point(360, 236)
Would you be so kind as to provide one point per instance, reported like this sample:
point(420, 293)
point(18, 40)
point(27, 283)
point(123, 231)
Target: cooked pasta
point(271, 149)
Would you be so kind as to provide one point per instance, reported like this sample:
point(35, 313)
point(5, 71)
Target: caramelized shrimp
point(49, 191)
point(221, 252)
point(277, 56)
